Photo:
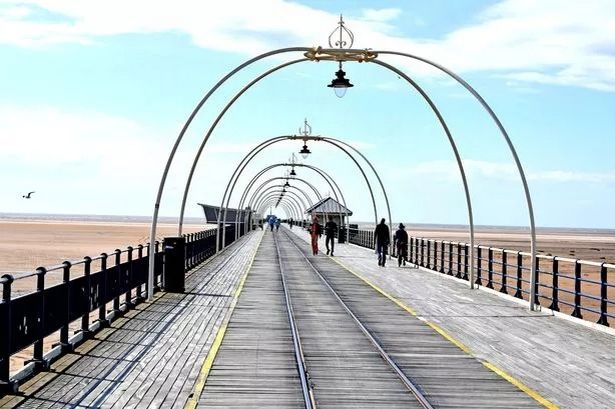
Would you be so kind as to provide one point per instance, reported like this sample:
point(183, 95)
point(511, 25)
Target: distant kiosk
point(329, 207)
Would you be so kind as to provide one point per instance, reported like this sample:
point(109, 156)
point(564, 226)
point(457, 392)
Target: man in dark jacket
point(330, 229)
point(401, 241)
point(383, 239)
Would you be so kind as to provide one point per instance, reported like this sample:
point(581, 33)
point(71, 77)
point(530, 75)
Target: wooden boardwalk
point(254, 366)
point(151, 357)
point(567, 363)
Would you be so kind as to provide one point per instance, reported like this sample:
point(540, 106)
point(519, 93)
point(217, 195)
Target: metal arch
point(330, 181)
point(513, 151)
point(322, 173)
point(270, 201)
point(275, 197)
point(239, 170)
point(281, 193)
point(460, 166)
point(384, 192)
point(276, 194)
point(261, 188)
point(250, 155)
point(283, 205)
point(251, 201)
point(333, 142)
point(213, 126)
point(280, 190)
point(245, 192)
point(150, 281)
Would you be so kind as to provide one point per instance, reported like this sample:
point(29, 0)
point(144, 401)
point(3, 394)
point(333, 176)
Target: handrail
point(509, 269)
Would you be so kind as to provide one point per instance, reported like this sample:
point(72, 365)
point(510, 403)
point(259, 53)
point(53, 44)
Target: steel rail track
point(306, 387)
point(422, 400)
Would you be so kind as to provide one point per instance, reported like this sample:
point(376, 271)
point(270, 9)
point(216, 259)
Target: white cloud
point(560, 42)
point(448, 170)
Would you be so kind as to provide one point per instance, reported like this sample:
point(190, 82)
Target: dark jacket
point(382, 235)
point(330, 229)
point(401, 236)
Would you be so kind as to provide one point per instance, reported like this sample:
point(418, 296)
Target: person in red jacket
point(315, 232)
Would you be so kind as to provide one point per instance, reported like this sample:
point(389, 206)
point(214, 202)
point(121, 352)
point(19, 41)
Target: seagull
point(28, 196)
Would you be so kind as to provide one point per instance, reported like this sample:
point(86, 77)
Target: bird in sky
point(28, 196)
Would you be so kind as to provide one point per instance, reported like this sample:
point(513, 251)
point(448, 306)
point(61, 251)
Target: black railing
point(583, 289)
point(99, 287)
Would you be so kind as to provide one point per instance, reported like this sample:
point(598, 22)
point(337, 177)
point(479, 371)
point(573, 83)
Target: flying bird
point(28, 196)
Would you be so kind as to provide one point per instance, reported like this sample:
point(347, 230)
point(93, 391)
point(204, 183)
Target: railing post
point(64, 344)
point(128, 295)
point(555, 284)
point(519, 291)
point(428, 254)
point(422, 252)
point(577, 290)
point(157, 279)
point(139, 298)
point(490, 268)
point(458, 275)
point(85, 318)
point(442, 251)
point(537, 283)
point(37, 357)
point(504, 288)
point(465, 262)
point(450, 258)
point(435, 256)
point(116, 271)
point(479, 268)
point(102, 310)
point(603, 296)
point(411, 249)
point(6, 385)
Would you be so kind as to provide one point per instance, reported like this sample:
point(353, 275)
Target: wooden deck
point(565, 362)
point(151, 357)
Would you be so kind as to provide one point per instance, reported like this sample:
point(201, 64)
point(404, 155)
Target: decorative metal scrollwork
point(345, 39)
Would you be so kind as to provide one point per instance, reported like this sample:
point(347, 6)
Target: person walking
point(330, 229)
point(277, 224)
point(291, 222)
point(383, 239)
point(315, 233)
point(400, 240)
point(271, 222)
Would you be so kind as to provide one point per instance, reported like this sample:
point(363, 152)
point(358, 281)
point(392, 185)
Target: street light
point(306, 131)
point(340, 84)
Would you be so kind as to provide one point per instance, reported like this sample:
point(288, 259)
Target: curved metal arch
point(288, 210)
point(244, 194)
point(284, 204)
point(276, 194)
point(308, 199)
point(322, 173)
point(252, 154)
point(150, 281)
point(280, 190)
point(453, 145)
point(511, 147)
point(213, 127)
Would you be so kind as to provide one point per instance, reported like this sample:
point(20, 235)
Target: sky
point(93, 95)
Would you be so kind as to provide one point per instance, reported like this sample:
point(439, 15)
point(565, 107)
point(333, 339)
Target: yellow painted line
point(529, 391)
point(213, 351)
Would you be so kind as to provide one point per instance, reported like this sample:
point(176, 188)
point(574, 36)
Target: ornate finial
point(342, 32)
point(307, 129)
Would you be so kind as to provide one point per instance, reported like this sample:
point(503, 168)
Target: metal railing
point(583, 289)
point(110, 284)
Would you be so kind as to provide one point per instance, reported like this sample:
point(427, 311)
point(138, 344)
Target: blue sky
point(93, 94)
